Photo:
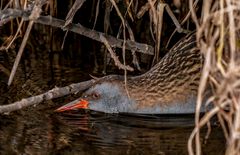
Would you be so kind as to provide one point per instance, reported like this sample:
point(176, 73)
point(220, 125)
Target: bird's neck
point(174, 79)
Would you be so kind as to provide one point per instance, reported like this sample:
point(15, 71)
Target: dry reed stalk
point(34, 15)
point(218, 37)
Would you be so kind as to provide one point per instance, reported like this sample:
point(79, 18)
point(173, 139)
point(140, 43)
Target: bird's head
point(104, 96)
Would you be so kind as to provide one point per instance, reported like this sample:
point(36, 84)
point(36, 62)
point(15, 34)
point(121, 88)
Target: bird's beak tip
point(77, 104)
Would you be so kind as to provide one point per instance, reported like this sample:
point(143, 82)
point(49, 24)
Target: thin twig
point(15, 36)
point(76, 6)
point(34, 15)
point(113, 55)
point(158, 30)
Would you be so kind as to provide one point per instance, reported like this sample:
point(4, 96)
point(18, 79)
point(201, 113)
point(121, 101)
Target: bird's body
point(169, 87)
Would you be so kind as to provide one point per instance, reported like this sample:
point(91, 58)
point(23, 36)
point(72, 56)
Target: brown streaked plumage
point(169, 87)
point(175, 77)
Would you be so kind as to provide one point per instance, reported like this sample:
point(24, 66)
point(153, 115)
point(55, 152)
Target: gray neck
point(130, 106)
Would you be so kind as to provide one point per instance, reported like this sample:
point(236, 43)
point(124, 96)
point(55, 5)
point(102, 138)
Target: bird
point(170, 87)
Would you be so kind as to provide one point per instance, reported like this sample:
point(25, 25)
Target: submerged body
point(170, 87)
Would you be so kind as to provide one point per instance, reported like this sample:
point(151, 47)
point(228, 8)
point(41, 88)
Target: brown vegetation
point(217, 35)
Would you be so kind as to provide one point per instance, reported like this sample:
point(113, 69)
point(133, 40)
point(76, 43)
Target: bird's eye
point(95, 95)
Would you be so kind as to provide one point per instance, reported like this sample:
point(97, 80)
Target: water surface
point(41, 131)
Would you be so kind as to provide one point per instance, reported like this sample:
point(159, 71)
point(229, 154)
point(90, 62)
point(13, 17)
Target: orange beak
point(77, 104)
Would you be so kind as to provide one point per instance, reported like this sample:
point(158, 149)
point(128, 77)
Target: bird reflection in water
point(134, 134)
point(88, 132)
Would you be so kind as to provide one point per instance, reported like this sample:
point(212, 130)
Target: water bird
point(170, 87)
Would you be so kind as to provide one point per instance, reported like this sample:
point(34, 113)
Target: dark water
point(39, 130)
point(79, 132)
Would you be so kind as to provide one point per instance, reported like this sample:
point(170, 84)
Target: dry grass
point(218, 37)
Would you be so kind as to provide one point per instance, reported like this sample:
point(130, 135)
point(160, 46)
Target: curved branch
point(8, 14)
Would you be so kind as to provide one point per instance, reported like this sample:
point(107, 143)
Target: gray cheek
point(97, 106)
point(106, 106)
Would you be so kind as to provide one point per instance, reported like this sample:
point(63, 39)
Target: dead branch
point(8, 14)
point(51, 94)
